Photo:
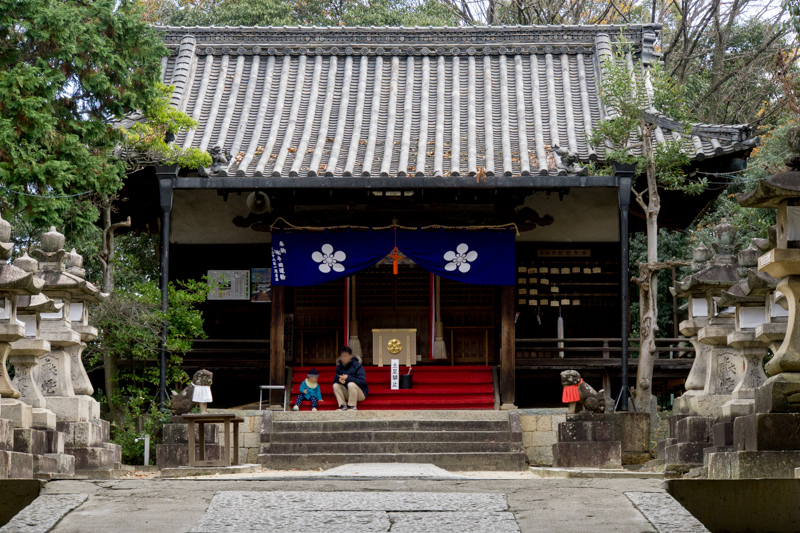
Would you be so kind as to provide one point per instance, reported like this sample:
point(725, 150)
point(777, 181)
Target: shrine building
point(430, 192)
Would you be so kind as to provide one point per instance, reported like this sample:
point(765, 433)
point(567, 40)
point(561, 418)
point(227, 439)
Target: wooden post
point(507, 349)
point(277, 355)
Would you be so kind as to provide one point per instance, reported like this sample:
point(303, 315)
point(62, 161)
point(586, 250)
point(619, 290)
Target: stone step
point(38, 441)
point(393, 436)
point(44, 464)
point(66, 463)
point(389, 447)
point(389, 425)
point(6, 435)
point(16, 465)
point(361, 414)
point(94, 457)
point(494, 461)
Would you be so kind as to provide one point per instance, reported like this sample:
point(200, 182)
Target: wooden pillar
point(277, 354)
point(507, 349)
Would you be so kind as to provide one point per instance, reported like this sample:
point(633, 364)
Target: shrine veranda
point(470, 129)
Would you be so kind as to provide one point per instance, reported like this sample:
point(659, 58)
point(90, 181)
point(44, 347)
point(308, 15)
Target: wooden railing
point(666, 348)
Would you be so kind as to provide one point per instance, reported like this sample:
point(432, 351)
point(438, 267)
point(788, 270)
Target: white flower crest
point(460, 259)
point(329, 260)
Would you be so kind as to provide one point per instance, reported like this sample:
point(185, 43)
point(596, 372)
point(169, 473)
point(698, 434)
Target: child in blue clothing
point(309, 390)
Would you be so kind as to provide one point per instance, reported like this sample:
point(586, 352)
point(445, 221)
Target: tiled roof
point(339, 101)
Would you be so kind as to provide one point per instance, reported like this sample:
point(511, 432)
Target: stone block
point(82, 434)
point(779, 394)
point(20, 414)
point(30, 441)
point(70, 408)
point(555, 420)
point(43, 418)
point(93, 458)
point(175, 455)
point(685, 453)
point(529, 423)
point(585, 431)
point(266, 432)
point(15, 465)
point(600, 454)
point(632, 429)
point(544, 438)
point(43, 464)
point(540, 455)
point(736, 408)
point(252, 456)
point(66, 463)
point(753, 465)
point(723, 434)
point(695, 429)
point(661, 447)
point(714, 449)
point(672, 423)
point(6, 435)
point(250, 440)
point(767, 432)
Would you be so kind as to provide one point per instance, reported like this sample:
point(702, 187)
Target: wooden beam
point(507, 349)
point(277, 354)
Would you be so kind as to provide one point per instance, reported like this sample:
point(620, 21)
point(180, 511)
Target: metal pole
point(625, 178)
point(166, 176)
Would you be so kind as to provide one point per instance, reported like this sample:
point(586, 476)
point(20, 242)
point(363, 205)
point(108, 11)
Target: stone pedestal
point(89, 442)
point(587, 440)
point(19, 413)
point(13, 464)
point(688, 437)
point(24, 355)
point(174, 451)
point(632, 429)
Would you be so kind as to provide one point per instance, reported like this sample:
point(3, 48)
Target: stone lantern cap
point(37, 303)
point(63, 271)
point(771, 192)
point(712, 276)
point(753, 289)
point(12, 278)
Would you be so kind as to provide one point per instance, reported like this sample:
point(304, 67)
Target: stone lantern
point(13, 281)
point(62, 377)
point(714, 373)
point(767, 442)
point(716, 368)
point(749, 297)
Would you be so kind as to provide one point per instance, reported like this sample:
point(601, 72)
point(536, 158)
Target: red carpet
point(435, 387)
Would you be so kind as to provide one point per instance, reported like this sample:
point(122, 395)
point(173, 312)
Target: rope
point(352, 298)
point(438, 297)
point(395, 226)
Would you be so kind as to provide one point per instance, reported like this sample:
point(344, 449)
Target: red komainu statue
point(577, 393)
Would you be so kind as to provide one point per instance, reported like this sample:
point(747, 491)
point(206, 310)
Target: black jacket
point(355, 374)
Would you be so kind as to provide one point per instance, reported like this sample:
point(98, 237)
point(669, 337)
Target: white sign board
point(395, 374)
point(229, 284)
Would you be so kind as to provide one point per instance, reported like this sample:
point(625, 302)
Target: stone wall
point(249, 433)
point(539, 429)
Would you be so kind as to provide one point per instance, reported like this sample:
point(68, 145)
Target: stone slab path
point(363, 504)
point(244, 512)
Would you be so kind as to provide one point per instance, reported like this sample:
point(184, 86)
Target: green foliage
point(144, 142)
point(130, 327)
point(305, 12)
point(67, 71)
point(130, 434)
point(629, 90)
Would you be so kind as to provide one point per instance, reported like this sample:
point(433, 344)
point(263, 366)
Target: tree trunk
point(106, 255)
point(648, 283)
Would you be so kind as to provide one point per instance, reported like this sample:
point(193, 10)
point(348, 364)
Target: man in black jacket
point(349, 381)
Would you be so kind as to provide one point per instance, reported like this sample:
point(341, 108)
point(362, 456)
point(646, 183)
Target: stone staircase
point(454, 440)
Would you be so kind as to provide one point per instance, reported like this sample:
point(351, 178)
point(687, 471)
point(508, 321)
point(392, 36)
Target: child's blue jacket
point(308, 392)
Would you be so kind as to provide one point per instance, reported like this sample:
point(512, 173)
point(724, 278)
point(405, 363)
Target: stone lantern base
point(89, 442)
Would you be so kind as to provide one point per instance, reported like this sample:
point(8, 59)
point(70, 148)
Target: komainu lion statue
point(181, 403)
point(577, 393)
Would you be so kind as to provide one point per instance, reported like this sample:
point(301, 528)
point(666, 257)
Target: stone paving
point(665, 513)
point(356, 501)
point(44, 513)
point(240, 512)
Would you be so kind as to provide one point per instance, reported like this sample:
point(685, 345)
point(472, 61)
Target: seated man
point(349, 381)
